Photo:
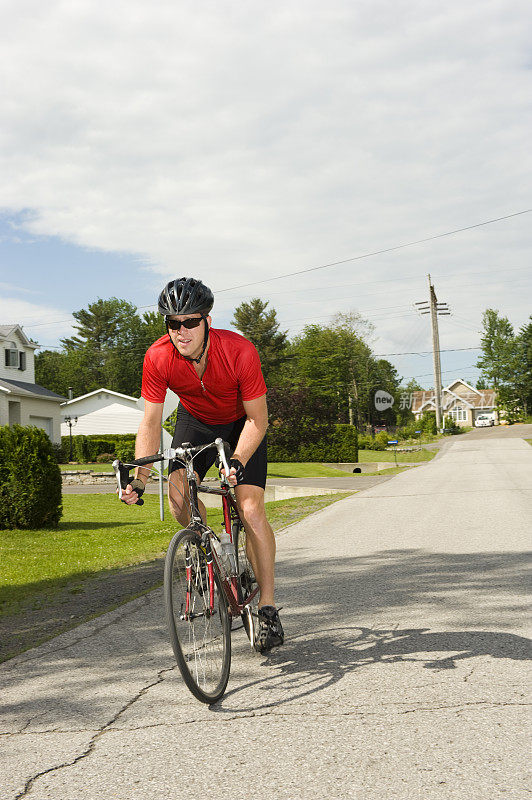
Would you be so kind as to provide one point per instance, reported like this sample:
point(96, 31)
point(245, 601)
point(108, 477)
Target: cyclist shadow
point(312, 662)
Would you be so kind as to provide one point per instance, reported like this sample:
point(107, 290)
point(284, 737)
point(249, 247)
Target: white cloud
point(242, 140)
point(42, 323)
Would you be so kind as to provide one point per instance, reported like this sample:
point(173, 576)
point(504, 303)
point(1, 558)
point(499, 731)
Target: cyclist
point(217, 376)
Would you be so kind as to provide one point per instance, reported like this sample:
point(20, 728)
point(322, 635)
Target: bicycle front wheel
point(199, 631)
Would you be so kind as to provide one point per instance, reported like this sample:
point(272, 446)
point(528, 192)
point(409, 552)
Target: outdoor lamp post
point(70, 421)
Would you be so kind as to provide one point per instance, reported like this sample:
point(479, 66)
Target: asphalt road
point(403, 674)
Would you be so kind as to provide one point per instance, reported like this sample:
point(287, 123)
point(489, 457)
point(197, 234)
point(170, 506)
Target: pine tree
point(262, 328)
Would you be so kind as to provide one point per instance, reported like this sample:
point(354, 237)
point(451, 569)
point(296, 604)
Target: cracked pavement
point(404, 673)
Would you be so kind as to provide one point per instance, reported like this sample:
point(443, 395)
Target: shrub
point(105, 458)
point(30, 479)
point(125, 451)
point(60, 455)
point(347, 443)
point(337, 443)
point(451, 427)
point(87, 448)
point(365, 442)
point(428, 423)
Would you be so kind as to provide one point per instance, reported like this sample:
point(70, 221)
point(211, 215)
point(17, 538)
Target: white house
point(104, 411)
point(22, 401)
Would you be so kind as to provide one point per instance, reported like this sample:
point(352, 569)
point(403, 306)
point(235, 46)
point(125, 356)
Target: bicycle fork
point(188, 615)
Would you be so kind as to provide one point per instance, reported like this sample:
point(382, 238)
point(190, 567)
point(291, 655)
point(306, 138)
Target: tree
point(103, 324)
point(503, 363)
point(337, 364)
point(403, 409)
point(298, 418)
point(108, 350)
point(59, 371)
point(497, 360)
point(262, 328)
point(524, 366)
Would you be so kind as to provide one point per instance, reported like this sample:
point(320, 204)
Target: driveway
point(519, 431)
point(403, 674)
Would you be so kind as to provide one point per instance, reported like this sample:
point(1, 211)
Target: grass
point(85, 467)
point(389, 471)
point(285, 469)
point(415, 456)
point(99, 534)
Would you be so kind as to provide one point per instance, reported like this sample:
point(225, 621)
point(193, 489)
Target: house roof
point(461, 380)
point(7, 330)
point(484, 398)
point(97, 391)
point(29, 390)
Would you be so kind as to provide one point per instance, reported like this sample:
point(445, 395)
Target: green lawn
point(387, 455)
point(98, 533)
point(285, 469)
point(84, 467)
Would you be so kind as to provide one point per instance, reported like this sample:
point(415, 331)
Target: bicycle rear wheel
point(201, 637)
point(248, 586)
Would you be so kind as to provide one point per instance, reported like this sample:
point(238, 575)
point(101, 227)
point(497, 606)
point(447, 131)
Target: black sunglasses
point(174, 324)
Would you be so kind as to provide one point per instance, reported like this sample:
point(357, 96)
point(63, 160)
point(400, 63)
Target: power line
point(375, 252)
point(426, 352)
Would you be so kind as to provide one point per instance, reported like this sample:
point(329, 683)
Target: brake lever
point(220, 446)
point(123, 480)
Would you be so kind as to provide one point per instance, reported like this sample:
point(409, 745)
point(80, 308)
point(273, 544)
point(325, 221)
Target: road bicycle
point(208, 579)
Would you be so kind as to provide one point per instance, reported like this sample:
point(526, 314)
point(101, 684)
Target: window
point(11, 355)
point(22, 360)
point(459, 414)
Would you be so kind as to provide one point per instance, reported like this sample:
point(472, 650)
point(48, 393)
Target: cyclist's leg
point(178, 497)
point(260, 539)
point(187, 429)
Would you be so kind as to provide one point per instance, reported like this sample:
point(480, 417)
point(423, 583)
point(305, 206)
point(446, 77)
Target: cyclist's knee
point(253, 512)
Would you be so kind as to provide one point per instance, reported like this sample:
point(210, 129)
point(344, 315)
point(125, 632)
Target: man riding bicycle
point(217, 375)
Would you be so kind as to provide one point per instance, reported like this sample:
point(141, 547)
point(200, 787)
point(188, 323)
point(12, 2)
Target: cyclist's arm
point(149, 436)
point(147, 442)
point(254, 428)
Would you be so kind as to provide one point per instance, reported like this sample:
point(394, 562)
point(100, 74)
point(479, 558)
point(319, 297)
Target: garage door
point(42, 422)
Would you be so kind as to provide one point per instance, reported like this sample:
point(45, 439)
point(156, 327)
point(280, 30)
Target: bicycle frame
point(230, 583)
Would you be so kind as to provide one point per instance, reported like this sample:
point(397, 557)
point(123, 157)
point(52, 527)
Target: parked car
point(484, 421)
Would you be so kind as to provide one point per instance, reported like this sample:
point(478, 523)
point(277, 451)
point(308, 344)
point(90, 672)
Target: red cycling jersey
point(233, 374)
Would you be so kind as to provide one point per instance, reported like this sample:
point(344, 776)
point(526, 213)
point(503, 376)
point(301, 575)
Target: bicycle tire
point(201, 641)
point(247, 582)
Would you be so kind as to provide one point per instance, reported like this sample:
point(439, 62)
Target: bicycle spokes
point(197, 616)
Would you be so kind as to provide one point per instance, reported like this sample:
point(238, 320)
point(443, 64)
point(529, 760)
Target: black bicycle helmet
point(185, 296)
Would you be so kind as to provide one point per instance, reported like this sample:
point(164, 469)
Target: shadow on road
point(484, 592)
point(310, 663)
point(330, 606)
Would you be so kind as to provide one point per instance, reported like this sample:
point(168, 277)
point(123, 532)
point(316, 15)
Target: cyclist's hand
point(132, 493)
point(236, 472)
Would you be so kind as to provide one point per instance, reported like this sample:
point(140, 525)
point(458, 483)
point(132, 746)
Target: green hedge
point(380, 442)
point(30, 479)
point(86, 449)
point(339, 445)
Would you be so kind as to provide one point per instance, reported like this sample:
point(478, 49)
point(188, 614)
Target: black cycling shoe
point(270, 631)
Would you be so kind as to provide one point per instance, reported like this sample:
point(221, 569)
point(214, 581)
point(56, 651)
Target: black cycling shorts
point(190, 429)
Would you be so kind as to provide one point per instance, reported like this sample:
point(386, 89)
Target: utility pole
point(435, 309)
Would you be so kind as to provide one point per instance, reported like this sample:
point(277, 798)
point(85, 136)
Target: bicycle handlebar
point(185, 452)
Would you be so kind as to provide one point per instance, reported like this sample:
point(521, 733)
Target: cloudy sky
point(244, 141)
